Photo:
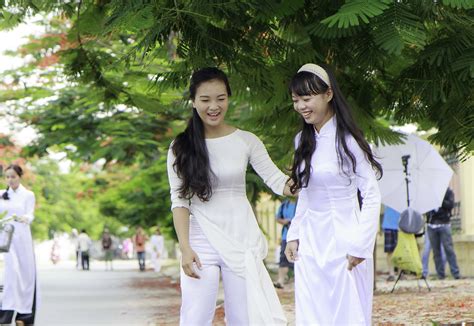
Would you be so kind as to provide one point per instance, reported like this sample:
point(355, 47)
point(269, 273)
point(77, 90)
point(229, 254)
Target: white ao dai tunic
point(227, 219)
point(329, 225)
point(20, 267)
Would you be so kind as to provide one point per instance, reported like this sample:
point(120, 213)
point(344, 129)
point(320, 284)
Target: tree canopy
point(408, 61)
point(110, 76)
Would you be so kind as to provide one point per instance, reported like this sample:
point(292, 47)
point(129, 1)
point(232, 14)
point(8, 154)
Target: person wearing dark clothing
point(85, 244)
point(107, 249)
point(439, 232)
point(390, 229)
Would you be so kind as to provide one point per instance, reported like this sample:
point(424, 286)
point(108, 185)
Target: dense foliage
point(108, 77)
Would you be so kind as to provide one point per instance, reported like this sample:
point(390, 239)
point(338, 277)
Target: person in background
point(20, 282)
point(55, 255)
point(425, 256)
point(284, 215)
point(157, 249)
point(107, 248)
point(139, 241)
point(127, 248)
point(439, 231)
point(75, 244)
point(85, 244)
point(390, 234)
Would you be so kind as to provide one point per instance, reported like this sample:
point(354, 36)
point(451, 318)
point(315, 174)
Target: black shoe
point(6, 316)
point(27, 319)
point(22, 323)
point(278, 285)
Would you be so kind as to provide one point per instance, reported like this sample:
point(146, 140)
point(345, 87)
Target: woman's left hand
point(353, 261)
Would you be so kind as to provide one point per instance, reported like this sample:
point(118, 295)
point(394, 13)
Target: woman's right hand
point(291, 251)
point(287, 189)
point(188, 259)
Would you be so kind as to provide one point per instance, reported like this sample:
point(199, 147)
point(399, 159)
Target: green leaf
point(459, 4)
point(398, 28)
point(353, 11)
point(91, 21)
point(9, 20)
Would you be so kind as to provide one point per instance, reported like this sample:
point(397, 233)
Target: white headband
point(318, 71)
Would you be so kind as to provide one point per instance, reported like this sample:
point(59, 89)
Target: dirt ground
point(448, 302)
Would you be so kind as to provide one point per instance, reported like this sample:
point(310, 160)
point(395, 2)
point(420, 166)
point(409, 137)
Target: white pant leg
point(157, 265)
point(235, 300)
point(199, 296)
point(155, 260)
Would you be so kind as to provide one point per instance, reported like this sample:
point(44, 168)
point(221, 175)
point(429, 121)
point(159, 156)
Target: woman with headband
point(332, 236)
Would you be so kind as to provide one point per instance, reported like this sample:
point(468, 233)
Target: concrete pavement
point(98, 297)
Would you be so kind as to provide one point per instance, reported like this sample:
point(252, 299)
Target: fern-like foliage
point(397, 61)
point(459, 4)
point(398, 28)
point(356, 12)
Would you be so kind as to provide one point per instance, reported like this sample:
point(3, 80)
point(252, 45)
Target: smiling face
point(12, 178)
point(315, 108)
point(211, 103)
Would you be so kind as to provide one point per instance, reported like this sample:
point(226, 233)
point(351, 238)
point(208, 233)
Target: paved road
point(96, 297)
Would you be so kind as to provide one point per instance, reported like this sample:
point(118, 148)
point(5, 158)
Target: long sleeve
point(365, 233)
point(30, 206)
point(264, 166)
point(448, 201)
point(175, 183)
point(301, 207)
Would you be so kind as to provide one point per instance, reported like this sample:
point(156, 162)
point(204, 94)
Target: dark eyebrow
point(207, 96)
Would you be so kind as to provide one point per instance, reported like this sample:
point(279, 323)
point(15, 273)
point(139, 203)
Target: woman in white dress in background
point(19, 292)
point(157, 244)
point(331, 239)
point(216, 227)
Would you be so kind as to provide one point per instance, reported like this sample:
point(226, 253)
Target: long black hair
point(192, 159)
point(305, 83)
point(18, 170)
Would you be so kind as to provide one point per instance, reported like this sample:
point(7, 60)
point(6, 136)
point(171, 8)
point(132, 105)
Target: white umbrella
point(419, 163)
